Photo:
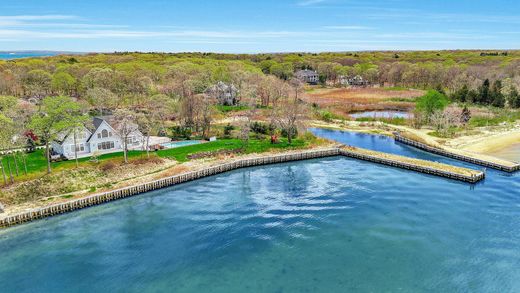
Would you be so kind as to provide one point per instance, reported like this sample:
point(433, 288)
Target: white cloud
point(310, 2)
point(111, 33)
point(37, 17)
point(346, 27)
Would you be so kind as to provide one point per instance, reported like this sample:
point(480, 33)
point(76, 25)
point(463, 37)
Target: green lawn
point(37, 165)
point(226, 109)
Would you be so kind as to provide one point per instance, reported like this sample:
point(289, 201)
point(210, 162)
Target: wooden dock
point(422, 166)
point(495, 163)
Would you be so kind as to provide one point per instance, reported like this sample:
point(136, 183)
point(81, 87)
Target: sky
point(257, 26)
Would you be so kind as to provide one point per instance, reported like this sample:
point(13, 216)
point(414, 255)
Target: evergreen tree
point(496, 97)
point(472, 96)
point(483, 93)
point(514, 98)
point(461, 94)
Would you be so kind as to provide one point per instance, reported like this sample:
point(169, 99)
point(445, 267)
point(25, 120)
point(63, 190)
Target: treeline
point(131, 74)
point(489, 94)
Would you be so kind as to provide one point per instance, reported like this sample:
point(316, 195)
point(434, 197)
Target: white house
point(353, 81)
point(308, 76)
point(102, 138)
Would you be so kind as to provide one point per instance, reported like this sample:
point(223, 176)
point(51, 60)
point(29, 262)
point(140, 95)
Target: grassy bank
point(110, 171)
point(37, 165)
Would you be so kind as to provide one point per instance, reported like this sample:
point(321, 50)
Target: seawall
point(356, 153)
point(502, 166)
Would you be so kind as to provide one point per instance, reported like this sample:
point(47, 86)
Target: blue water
point(176, 144)
point(324, 225)
point(18, 55)
point(381, 114)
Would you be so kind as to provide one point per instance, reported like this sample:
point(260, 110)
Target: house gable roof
point(98, 121)
point(66, 135)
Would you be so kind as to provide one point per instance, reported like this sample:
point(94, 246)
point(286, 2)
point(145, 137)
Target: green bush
point(227, 130)
point(262, 128)
point(431, 102)
point(294, 133)
point(179, 132)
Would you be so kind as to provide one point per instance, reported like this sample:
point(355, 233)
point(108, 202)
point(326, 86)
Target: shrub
point(227, 130)
point(326, 116)
point(262, 128)
point(294, 132)
point(431, 102)
point(144, 160)
point(107, 166)
point(179, 132)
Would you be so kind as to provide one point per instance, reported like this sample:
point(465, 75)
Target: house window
point(81, 135)
point(106, 145)
point(104, 133)
point(99, 135)
point(79, 148)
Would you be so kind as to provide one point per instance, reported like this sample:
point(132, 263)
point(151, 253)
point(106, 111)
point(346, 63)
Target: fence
point(409, 166)
point(97, 199)
point(438, 151)
point(100, 198)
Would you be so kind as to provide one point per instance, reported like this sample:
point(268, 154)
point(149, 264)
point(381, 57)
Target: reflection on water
point(381, 114)
point(324, 225)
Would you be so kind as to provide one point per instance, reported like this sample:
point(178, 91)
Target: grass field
point(344, 100)
point(37, 165)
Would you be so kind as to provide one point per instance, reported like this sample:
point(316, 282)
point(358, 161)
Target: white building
point(308, 76)
point(102, 138)
point(353, 81)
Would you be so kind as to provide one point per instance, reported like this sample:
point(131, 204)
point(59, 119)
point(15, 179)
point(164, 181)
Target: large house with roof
point(102, 138)
point(308, 76)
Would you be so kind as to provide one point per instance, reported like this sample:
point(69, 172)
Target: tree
point(496, 97)
point(125, 124)
point(63, 83)
point(37, 83)
point(431, 102)
point(205, 111)
point(6, 126)
point(289, 112)
point(11, 129)
point(465, 115)
point(461, 94)
point(514, 98)
point(77, 122)
point(155, 112)
point(56, 115)
point(444, 120)
point(101, 99)
point(484, 97)
point(249, 100)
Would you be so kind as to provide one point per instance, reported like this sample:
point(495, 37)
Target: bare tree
point(250, 100)
point(125, 124)
point(289, 112)
point(101, 99)
point(444, 120)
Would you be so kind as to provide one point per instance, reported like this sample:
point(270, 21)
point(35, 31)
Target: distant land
point(26, 54)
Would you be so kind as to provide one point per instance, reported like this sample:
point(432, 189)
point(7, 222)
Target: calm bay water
point(325, 225)
point(382, 114)
point(17, 55)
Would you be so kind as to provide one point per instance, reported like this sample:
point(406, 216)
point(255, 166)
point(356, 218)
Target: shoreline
point(483, 146)
point(222, 166)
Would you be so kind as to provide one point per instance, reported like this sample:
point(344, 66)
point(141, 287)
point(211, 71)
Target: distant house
point(308, 76)
point(353, 81)
point(101, 138)
point(226, 94)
